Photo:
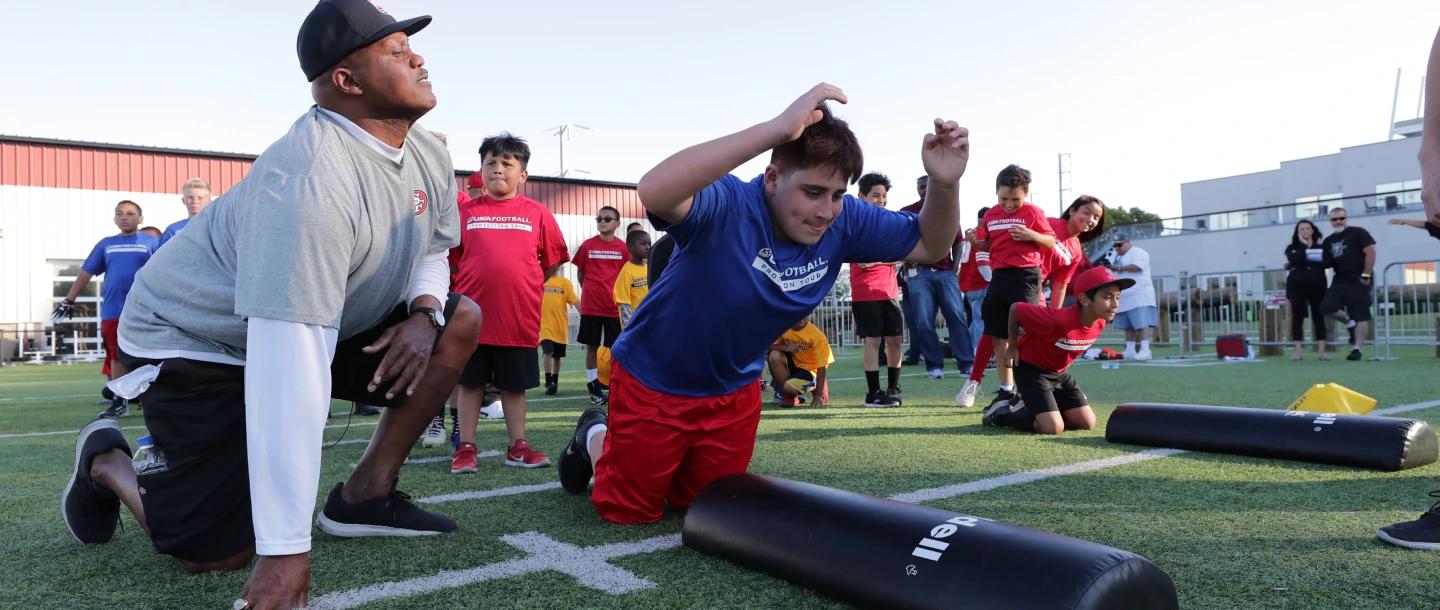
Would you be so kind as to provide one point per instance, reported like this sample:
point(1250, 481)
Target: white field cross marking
point(589, 566)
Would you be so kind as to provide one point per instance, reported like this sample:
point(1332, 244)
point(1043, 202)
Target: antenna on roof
point(563, 131)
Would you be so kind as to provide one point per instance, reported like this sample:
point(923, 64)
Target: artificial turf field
point(1233, 532)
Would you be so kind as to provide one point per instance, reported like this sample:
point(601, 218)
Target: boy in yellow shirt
point(555, 327)
point(631, 285)
point(803, 352)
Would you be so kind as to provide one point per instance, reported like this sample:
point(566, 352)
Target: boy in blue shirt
point(118, 258)
point(758, 256)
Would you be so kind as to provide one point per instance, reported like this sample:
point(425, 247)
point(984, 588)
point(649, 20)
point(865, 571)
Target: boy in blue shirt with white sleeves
point(758, 255)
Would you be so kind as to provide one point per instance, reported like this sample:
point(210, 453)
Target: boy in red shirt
point(1049, 399)
point(597, 263)
point(509, 244)
point(1015, 233)
point(874, 300)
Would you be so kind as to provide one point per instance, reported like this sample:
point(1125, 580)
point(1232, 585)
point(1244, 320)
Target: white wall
point(1307, 178)
point(1364, 167)
point(1234, 192)
point(40, 224)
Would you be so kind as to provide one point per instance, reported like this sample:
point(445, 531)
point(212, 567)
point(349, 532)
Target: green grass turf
point(1233, 532)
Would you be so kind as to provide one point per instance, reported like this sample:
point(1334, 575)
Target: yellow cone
point(1333, 398)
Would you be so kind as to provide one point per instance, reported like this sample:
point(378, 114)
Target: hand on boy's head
point(805, 111)
point(946, 152)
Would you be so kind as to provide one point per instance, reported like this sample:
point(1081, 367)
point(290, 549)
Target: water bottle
point(1109, 364)
point(148, 459)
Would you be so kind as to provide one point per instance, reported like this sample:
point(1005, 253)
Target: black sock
point(894, 376)
point(873, 379)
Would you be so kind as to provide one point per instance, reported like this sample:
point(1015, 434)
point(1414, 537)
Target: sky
point(1142, 95)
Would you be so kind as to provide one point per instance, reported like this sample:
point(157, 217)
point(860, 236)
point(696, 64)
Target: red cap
point(1096, 277)
point(475, 181)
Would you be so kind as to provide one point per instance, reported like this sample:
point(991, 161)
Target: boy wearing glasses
point(509, 244)
point(1350, 251)
point(598, 262)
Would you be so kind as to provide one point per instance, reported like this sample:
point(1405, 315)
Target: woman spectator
point(1305, 286)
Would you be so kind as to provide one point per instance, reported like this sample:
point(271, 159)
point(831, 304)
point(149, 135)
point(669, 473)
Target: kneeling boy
point(1050, 400)
point(758, 255)
point(802, 353)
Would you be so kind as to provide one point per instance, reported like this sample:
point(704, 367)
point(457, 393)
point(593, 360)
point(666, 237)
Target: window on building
point(1393, 195)
point(1419, 273)
point(81, 333)
point(1306, 207)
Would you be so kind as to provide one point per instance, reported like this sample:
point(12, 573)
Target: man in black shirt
point(1350, 251)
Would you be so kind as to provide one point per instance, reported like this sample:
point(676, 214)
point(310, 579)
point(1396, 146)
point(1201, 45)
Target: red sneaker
point(464, 459)
point(522, 456)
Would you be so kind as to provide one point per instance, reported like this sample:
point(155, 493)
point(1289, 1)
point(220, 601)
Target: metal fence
point(1408, 304)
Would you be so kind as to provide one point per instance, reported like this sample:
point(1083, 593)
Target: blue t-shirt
point(119, 258)
point(704, 328)
point(173, 230)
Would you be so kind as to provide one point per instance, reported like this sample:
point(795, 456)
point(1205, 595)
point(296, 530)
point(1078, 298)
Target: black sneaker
point(118, 408)
point(1354, 355)
point(896, 395)
point(879, 400)
point(1001, 396)
point(575, 467)
point(1422, 533)
point(910, 361)
point(392, 514)
point(365, 410)
point(551, 388)
point(91, 511)
point(999, 408)
point(598, 394)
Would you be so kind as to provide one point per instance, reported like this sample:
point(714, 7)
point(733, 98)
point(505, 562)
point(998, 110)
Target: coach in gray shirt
point(322, 274)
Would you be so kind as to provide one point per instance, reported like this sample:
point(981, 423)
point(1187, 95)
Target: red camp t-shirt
point(600, 261)
point(873, 283)
point(970, 278)
point(1005, 252)
point(1054, 338)
point(505, 246)
point(1054, 267)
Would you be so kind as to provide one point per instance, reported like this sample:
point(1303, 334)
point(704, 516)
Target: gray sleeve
point(293, 246)
point(447, 224)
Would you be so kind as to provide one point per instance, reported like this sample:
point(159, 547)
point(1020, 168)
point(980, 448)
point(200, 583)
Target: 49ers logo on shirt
point(420, 201)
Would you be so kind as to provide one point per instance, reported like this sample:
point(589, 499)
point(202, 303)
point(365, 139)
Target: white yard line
point(1020, 478)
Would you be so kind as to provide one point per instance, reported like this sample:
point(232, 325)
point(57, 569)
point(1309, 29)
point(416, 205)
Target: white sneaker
point(492, 411)
point(434, 433)
point(966, 397)
point(1129, 353)
point(935, 373)
point(1143, 354)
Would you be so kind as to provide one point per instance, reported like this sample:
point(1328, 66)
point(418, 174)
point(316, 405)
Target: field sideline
point(1233, 532)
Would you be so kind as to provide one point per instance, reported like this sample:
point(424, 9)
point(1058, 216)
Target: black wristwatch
point(437, 317)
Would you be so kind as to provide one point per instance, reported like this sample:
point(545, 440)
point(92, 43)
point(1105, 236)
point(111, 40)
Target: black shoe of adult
point(910, 361)
point(392, 514)
point(1354, 355)
point(365, 410)
point(575, 465)
point(91, 511)
point(1422, 533)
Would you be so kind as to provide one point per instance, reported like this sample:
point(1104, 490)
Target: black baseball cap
point(336, 28)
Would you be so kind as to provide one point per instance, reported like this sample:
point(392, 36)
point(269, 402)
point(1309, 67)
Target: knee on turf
point(232, 563)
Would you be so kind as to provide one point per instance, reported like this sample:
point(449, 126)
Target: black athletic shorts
point(198, 508)
point(1044, 390)
point(552, 348)
point(511, 369)
point(1354, 298)
point(1007, 287)
point(795, 372)
point(598, 330)
point(878, 318)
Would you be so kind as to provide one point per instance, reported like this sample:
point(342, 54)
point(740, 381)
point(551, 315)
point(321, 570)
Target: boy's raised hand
point(805, 111)
point(946, 152)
